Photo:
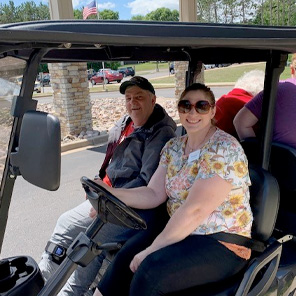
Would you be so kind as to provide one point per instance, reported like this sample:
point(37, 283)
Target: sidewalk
point(94, 141)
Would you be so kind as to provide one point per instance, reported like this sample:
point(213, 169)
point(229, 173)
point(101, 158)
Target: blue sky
point(126, 8)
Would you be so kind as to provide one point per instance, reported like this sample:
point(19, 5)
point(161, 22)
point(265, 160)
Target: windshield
point(10, 80)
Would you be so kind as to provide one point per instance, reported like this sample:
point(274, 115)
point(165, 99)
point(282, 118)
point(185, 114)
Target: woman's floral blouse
point(221, 155)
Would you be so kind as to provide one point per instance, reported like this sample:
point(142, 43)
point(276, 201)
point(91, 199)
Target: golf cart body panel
point(271, 273)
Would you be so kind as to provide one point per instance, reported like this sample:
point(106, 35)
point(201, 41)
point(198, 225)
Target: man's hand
point(93, 213)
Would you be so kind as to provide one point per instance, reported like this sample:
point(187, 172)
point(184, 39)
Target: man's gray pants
point(68, 226)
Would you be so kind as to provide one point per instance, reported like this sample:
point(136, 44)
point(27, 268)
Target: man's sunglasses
point(201, 107)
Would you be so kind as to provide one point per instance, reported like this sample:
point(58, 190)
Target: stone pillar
point(69, 82)
point(188, 13)
point(71, 97)
point(180, 75)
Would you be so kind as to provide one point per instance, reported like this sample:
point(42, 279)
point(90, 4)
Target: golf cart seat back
point(282, 166)
point(264, 199)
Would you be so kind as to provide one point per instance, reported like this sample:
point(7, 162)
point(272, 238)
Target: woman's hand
point(138, 259)
point(93, 213)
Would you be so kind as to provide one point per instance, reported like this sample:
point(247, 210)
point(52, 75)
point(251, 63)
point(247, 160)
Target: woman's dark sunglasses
point(201, 107)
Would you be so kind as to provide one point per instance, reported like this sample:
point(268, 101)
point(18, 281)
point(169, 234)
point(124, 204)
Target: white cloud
point(106, 5)
point(143, 7)
point(78, 3)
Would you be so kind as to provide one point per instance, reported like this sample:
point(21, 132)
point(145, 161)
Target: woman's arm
point(204, 197)
point(143, 197)
point(244, 122)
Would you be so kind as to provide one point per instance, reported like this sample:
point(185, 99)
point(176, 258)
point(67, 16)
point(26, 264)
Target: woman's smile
point(192, 121)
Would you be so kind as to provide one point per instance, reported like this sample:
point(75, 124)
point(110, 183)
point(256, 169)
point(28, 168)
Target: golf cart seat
point(283, 168)
point(264, 201)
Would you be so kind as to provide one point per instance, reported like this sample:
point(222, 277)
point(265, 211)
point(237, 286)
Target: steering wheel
point(110, 208)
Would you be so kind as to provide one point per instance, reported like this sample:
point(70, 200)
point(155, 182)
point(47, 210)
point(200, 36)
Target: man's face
point(139, 104)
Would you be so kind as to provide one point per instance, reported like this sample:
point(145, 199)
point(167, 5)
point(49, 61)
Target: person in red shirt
point(246, 87)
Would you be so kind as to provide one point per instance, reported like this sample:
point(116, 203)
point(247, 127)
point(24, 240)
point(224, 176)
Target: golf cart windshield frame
point(85, 41)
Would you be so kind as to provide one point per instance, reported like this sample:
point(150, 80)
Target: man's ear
point(153, 99)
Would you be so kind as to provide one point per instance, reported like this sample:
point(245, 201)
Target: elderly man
point(132, 156)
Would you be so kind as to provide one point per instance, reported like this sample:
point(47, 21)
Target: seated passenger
point(246, 87)
point(204, 178)
point(132, 157)
point(284, 125)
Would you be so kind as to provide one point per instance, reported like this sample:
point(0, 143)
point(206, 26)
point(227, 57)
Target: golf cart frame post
point(88, 41)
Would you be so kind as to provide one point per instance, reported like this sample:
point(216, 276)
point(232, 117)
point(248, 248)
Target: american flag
point(89, 9)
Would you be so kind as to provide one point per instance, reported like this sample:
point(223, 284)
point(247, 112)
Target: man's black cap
point(138, 81)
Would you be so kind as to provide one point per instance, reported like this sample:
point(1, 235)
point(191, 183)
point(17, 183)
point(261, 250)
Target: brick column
point(188, 13)
point(71, 97)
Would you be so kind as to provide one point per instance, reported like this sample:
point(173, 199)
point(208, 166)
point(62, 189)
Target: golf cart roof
point(77, 40)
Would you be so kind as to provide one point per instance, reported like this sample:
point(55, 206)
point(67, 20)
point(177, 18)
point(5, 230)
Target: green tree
point(105, 14)
point(163, 14)
point(27, 11)
point(138, 18)
point(108, 14)
point(276, 13)
point(7, 13)
point(78, 14)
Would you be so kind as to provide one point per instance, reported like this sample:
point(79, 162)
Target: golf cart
point(34, 142)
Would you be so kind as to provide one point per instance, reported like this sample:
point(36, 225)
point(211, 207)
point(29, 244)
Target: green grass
point(227, 75)
point(223, 75)
point(147, 67)
point(230, 74)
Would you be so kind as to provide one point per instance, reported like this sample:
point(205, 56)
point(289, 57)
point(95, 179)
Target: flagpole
point(103, 63)
point(98, 15)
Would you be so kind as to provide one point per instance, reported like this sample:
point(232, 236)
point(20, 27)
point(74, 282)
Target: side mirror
point(38, 156)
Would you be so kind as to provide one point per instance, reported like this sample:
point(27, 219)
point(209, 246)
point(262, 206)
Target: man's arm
point(244, 122)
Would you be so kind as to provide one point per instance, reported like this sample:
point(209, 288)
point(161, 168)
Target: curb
point(98, 140)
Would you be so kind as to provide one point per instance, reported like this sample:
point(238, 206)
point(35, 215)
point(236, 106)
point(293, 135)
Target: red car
point(109, 75)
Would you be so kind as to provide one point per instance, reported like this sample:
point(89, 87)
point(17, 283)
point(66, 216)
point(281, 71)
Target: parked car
point(172, 68)
point(209, 66)
point(222, 65)
point(108, 75)
point(45, 80)
point(127, 71)
point(18, 79)
point(90, 73)
point(37, 87)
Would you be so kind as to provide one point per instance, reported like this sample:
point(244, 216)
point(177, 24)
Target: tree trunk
point(270, 12)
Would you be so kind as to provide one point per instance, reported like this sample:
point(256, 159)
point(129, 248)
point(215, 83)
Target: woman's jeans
point(194, 261)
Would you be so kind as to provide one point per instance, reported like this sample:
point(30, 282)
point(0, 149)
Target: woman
point(203, 175)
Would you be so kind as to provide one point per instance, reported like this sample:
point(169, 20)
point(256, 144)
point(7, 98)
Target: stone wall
point(71, 97)
point(180, 76)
